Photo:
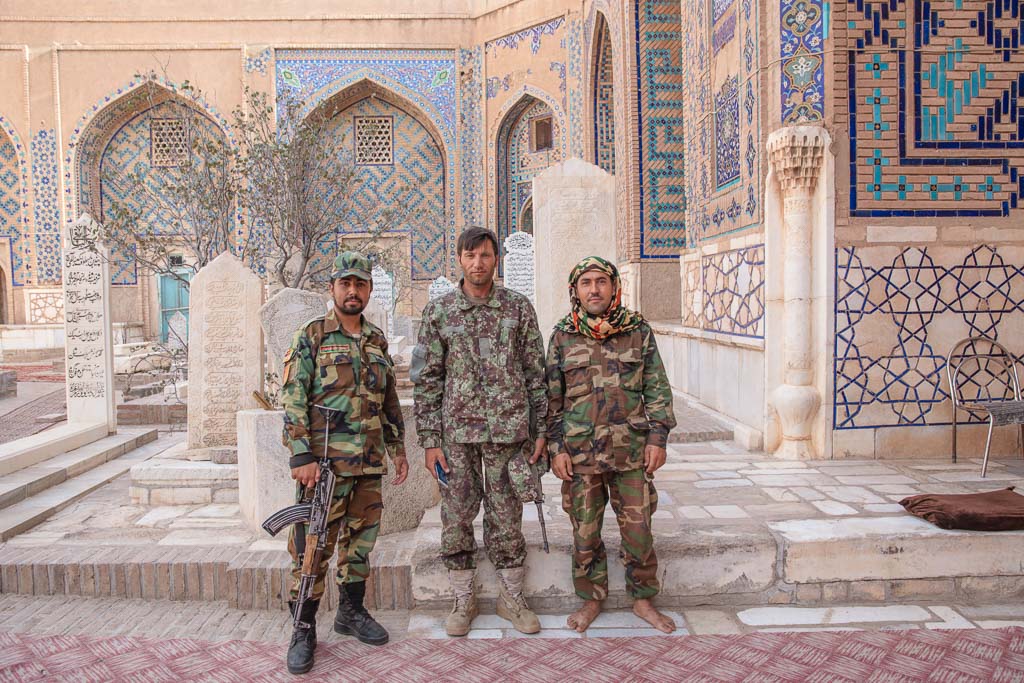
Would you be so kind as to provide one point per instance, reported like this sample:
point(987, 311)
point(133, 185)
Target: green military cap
point(352, 263)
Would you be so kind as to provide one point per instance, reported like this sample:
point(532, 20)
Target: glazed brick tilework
point(928, 94)
point(660, 103)
point(722, 117)
point(11, 205)
point(725, 292)
point(428, 79)
point(416, 180)
point(603, 89)
point(518, 164)
point(803, 26)
point(899, 310)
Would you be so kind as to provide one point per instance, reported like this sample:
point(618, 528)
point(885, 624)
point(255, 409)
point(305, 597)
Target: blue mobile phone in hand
point(442, 477)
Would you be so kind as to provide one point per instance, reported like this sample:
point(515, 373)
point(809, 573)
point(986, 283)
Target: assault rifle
point(311, 518)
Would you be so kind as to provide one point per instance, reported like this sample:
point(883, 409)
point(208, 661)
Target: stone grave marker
point(225, 352)
point(177, 331)
point(518, 264)
point(88, 345)
point(574, 217)
point(440, 287)
point(384, 295)
point(282, 315)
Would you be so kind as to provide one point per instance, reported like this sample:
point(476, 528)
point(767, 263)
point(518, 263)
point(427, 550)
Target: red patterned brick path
point(35, 373)
point(961, 656)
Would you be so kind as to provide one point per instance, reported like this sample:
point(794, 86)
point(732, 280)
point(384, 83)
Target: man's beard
point(352, 307)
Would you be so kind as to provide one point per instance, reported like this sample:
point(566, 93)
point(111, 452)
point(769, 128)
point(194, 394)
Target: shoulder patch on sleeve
point(289, 354)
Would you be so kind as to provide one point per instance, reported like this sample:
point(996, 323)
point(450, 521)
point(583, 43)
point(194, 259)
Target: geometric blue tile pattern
point(932, 92)
point(46, 242)
point(891, 303)
point(733, 285)
point(13, 199)
point(425, 78)
point(660, 103)
point(471, 135)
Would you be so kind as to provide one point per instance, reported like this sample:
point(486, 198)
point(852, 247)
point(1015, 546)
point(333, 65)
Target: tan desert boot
point(511, 602)
point(464, 610)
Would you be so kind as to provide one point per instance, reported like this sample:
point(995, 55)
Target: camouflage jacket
point(479, 370)
point(607, 399)
point(326, 366)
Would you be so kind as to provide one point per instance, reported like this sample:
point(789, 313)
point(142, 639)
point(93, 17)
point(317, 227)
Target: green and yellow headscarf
point(616, 319)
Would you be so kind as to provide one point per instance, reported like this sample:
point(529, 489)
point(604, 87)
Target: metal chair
point(988, 371)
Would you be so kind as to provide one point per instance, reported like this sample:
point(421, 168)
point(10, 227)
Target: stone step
point(696, 426)
point(18, 486)
point(177, 481)
point(30, 450)
point(206, 571)
point(806, 562)
point(53, 497)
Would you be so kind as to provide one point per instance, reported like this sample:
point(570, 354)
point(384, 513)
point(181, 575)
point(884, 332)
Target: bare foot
point(645, 610)
point(581, 618)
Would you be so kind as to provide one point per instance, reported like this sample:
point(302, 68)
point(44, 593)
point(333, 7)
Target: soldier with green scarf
point(609, 415)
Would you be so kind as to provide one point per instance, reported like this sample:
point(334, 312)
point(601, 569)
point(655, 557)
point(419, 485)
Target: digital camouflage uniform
point(608, 399)
point(327, 366)
point(479, 375)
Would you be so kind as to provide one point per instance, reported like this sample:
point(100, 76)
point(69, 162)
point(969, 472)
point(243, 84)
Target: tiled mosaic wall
point(530, 73)
point(45, 239)
point(12, 197)
point(518, 164)
point(603, 88)
point(660, 104)
point(725, 292)
point(427, 79)
point(723, 116)
point(804, 27)
point(127, 152)
point(928, 94)
point(899, 311)
point(415, 180)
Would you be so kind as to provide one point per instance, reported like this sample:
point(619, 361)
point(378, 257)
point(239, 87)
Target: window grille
point(374, 141)
point(169, 144)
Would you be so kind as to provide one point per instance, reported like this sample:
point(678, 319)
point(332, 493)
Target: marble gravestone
point(440, 287)
point(88, 346)
point(518, 264)
point(177, 332)
point(225, 352)
point(574, 217)
point(281, 316)
point(384, 295)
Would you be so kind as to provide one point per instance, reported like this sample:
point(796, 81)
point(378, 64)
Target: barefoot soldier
point(341, 361)
point(479, 374)
point(609, 415)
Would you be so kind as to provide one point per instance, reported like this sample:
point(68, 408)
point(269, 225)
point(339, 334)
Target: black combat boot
point(300, 651)
point(353, 619)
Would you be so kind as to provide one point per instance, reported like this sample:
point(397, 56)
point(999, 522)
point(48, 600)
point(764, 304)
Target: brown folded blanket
point(1001, 510)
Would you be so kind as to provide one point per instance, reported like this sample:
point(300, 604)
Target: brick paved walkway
point(21, 421)
point(972, 655)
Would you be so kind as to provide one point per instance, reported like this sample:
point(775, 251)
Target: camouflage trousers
point(479, 471)
point(352, 526)
point(634, 501)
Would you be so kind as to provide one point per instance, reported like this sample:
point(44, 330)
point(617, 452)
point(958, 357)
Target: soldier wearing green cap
point(340, 360)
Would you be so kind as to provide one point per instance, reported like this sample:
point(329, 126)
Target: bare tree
point(177, 213)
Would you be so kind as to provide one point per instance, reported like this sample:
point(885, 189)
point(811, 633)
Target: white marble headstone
point(384, 295)
point(518, 264)
point(440, 287)
point(282, 315)
point(88, 345)
point(225, 351)
point(177, 331)
point(574, 217)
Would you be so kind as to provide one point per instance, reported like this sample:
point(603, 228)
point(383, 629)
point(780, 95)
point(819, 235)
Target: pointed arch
point(417, 174)
point(515, 160)
point(603, 95)
point(116, 133)
point(13, 203)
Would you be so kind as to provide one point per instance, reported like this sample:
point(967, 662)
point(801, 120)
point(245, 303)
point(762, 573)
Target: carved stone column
point(796, 155)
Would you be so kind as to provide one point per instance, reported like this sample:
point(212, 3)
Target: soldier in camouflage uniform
point(341, 361)
point(478, 368)
point(609, 415)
